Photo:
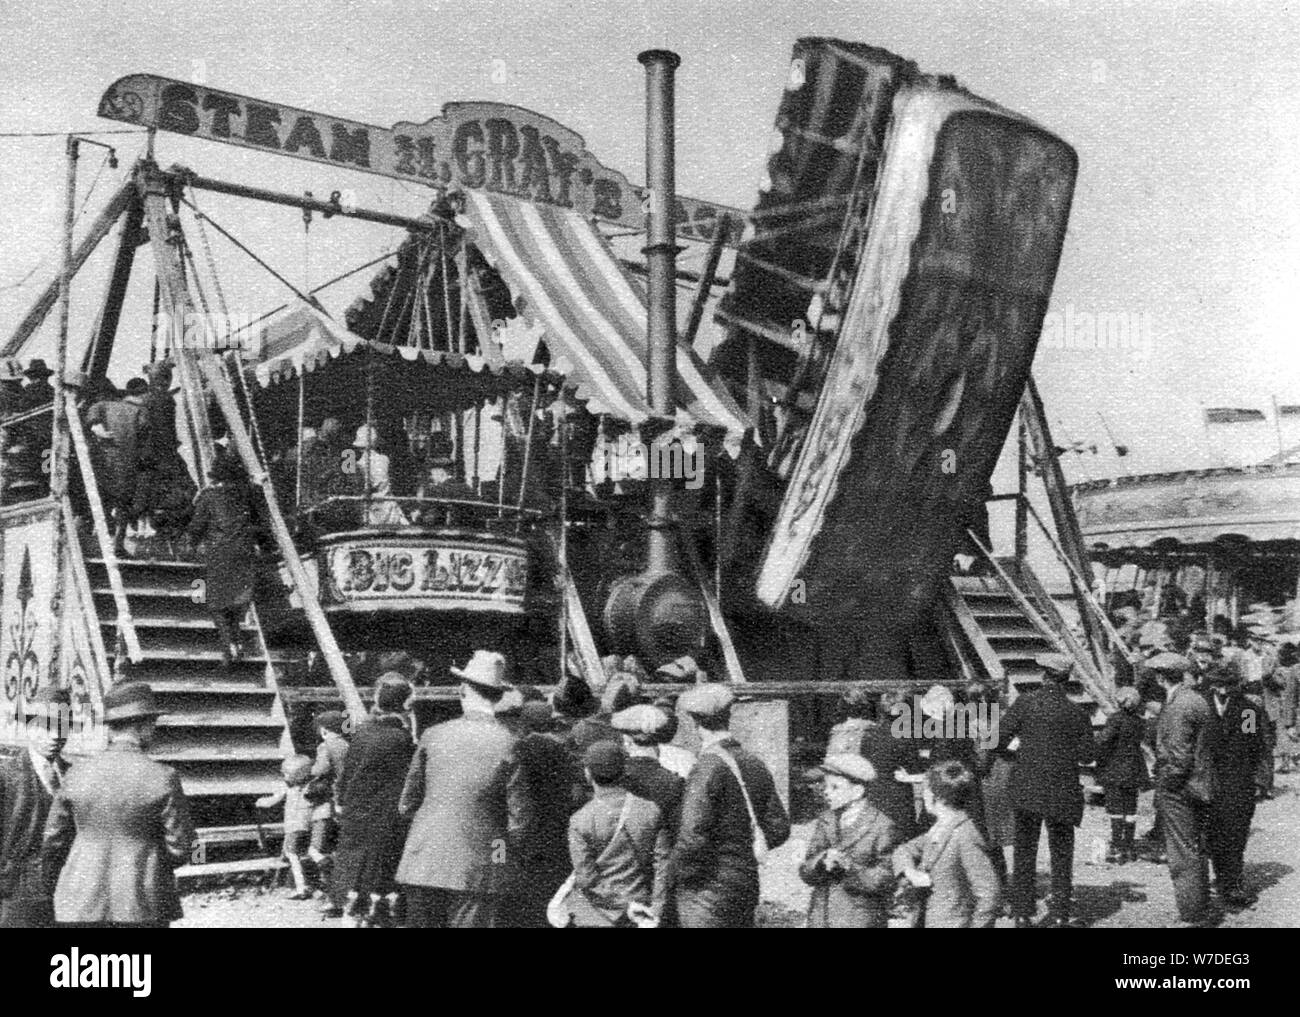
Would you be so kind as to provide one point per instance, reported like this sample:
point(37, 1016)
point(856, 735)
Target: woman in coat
point(371, 829)
point(223, 529)
point(1122, 772)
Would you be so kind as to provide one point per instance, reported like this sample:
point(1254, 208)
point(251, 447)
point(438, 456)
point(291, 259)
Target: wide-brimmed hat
point(37, 368)
point(486, 669)
point(129, 701)
point(845, 764)
point(367, 437)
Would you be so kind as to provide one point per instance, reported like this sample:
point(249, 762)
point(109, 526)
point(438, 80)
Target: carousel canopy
point(566, 279)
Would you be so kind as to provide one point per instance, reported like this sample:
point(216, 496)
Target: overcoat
point(966, 891)
point(859, 896)
point(223, 524)
point(25, 898)
point(1055, 738)
point(1120, 762)
point(371, 829)
point(470, 811)
point(116, 831)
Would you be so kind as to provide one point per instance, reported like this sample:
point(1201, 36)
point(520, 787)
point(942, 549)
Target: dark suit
point(1235, 749)
point(470, 809)
point(123, 824)
point(714, 872)
point(25, 898)
point(544, 851)
point(1185, 789)
point(647, 778)
point(371, 830)
point(888, 754)
point(1055, 738)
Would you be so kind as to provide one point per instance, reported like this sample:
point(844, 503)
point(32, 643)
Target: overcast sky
point(1187, 212)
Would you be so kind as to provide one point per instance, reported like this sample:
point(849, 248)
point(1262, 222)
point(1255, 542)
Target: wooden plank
point(268, 864)
point(89, 615)
point(716, 619)
point(960, 612)
point(102, 534)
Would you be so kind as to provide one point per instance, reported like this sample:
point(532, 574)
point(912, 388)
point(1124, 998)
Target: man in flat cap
point(1055, 739)
point(120, 826)
point(28, 783)
point(1235, 750)
point(619, 846)
point(731, 814)
point(1184, 779)
point(470, 809)
point(641, 727)
point(849, 858)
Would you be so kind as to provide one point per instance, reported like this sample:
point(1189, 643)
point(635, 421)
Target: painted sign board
point(476, 145)
point(382, 573)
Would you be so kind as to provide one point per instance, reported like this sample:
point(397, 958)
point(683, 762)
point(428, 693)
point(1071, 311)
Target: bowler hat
point(486, 669)
point(706, 700)
point(846, 764)
point(129, 701)
point(605, 761)
point(38, 369)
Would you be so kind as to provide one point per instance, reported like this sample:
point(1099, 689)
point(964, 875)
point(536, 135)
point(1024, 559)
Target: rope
point(207, 254)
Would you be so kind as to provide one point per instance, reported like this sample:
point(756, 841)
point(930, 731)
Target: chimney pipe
point(661, 264)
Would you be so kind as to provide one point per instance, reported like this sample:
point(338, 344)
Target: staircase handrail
point(90, 615)
point(960, 610)
point(1063, 639)
point(1088, 597)
point(125, 623)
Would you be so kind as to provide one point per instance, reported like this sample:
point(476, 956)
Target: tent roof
point(565, 278)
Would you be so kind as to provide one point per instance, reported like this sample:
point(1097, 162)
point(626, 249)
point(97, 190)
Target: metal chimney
point(661, 264)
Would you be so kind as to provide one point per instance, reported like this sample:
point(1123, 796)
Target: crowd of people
point(581, 808)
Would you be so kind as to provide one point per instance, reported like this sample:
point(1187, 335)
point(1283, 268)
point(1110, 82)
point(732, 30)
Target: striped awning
point(565, 278)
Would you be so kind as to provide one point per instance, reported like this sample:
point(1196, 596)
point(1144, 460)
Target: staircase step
point(272, 863)
point(161, 563)
point(232, 719)
point(219, 754)
point(209, 785)
point(164, 686)
point(200, 622)
point(134, 590)
point(155, 650)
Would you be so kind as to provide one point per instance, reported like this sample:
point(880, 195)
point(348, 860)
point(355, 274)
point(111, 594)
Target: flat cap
point(706, 700)
point(605, 761)
point(642, 721)
point(846, 764)
point(1055, 663)
point(1171, 662)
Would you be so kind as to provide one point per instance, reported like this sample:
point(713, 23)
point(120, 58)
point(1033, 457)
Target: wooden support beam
point(99, 229)
point(100, 351)
point(242, 445)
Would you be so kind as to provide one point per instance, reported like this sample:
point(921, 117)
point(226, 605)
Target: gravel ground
point(1136, 895)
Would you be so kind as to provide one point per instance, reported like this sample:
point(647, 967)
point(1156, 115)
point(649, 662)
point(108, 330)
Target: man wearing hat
point(470, 809)
point(641, 727)
point(118, 426)
point(1235, 750)
point(849, 858)
point(1055, 739)
point(619, 846)
point(1185, 783)
point(440, 483)
point(731, 814)
point(28, 783)
point(120, 825)
point(38, 391)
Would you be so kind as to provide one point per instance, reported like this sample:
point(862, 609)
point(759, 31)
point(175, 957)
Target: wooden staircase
point(225, 729)
point(996, 639)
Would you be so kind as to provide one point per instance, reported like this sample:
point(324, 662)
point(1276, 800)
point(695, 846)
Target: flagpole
point(1277, 426)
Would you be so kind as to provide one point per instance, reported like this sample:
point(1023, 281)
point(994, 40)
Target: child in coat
point(848, 859)
point(951, 859)
point(1122, 772)
point(296, 771)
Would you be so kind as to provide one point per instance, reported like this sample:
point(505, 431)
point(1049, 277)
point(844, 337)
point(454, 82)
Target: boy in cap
point(28, 784)
point(323, 792)
point(619, 847)
point(731, 815)
point(848, 861)
point(641, 727)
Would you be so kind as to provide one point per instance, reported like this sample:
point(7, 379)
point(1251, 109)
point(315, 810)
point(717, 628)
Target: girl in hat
point(848, 858)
